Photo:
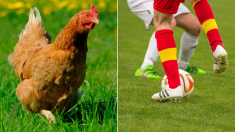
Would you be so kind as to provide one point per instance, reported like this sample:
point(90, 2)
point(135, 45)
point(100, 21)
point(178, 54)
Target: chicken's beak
point(96, 21)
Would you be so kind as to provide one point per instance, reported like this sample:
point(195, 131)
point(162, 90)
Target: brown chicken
point(51, 74)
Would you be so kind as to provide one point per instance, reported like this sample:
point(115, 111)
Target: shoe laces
point(191, 69)
point(151, 71)
point(215, 61)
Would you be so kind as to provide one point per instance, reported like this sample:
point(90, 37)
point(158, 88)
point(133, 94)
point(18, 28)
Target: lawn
point(209, 108)
point(97, 108)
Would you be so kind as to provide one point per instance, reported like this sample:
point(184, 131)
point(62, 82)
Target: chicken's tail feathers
point(34, 23)
point(32, 38)
point(34, 28)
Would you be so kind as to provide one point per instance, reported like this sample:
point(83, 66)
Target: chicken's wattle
point(90, 25)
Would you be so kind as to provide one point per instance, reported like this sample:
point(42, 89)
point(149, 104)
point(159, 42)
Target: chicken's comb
point(93, 9)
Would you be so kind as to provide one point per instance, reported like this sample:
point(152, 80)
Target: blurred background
point(49, 6)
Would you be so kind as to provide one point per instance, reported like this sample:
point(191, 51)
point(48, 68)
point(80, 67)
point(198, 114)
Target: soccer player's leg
point(167, 49)
point(145, 12)
point(189, 41)
point(207, 20)
point(146, 69)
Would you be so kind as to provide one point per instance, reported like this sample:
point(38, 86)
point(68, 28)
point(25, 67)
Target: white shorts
point(144, 10)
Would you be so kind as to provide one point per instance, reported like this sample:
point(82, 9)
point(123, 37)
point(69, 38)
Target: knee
point(195, 31)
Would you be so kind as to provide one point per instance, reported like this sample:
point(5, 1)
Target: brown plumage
point(51, 74)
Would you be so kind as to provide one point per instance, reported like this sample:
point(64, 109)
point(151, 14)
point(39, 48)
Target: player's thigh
point(163, 13)
point(189, 23)
point(162, 20)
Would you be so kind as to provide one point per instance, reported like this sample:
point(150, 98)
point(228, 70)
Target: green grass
point(97, 108)
point(209, 108)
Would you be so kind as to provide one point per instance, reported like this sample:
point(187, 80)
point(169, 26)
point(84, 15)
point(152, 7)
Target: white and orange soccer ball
point(186, 81)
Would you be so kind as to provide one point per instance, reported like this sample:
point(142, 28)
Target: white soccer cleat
point(220, 60)
point(169, 94)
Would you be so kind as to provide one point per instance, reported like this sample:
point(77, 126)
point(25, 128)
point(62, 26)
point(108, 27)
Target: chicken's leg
point(48, 115)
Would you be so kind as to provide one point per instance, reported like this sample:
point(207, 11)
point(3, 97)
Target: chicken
point(51, 74)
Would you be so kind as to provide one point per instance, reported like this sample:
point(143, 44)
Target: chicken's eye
point(87, 15)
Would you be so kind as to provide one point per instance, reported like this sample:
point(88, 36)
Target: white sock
point(187, 46)
point(151, 53)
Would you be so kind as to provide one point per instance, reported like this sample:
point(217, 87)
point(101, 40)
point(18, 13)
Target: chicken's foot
point(48, 115)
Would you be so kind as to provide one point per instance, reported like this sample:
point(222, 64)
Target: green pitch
point(209, 108)
point(97, 108)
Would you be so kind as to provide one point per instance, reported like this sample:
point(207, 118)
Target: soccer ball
point(186, 81)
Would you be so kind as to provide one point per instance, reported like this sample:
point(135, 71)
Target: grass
point(97, 108)
point(209, 108)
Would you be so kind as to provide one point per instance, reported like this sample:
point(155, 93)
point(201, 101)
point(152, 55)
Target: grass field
point(211, 106)
point(97, 108)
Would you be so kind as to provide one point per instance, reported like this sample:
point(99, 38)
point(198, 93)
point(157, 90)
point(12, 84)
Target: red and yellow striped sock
point(207, 20)
point(167, 52)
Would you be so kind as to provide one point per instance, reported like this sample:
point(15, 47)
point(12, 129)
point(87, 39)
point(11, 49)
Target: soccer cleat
point(169, 94)
point(220, 60)
point(191, 69)
point(147, 73)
